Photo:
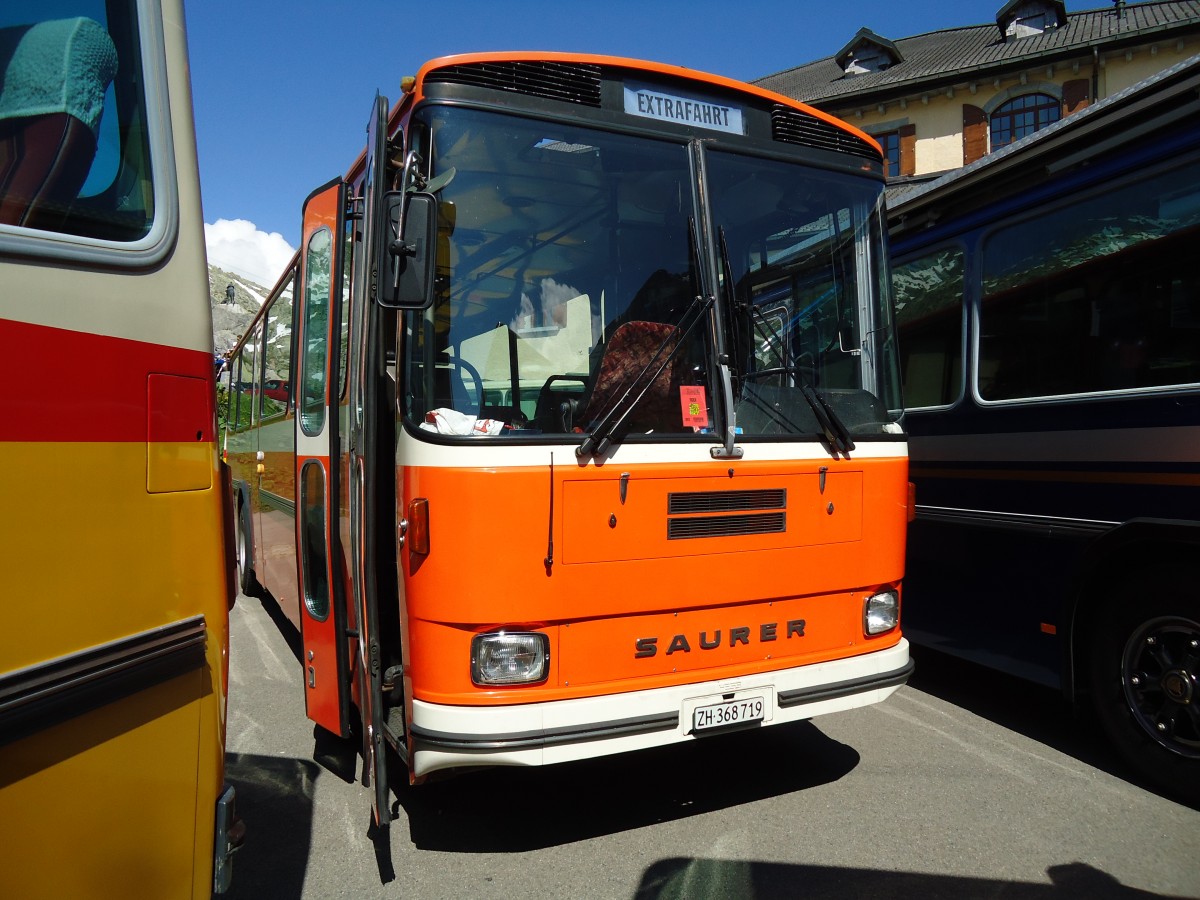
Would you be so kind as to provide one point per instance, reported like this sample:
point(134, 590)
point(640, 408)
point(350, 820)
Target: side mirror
point(409, 263)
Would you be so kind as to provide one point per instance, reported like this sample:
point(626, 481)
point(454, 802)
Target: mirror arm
point(400, 249)
point(410, 163)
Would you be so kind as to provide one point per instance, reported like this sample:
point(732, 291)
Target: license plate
point(743, 710)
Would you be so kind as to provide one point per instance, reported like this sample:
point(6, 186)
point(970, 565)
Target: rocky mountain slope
point(235, 301)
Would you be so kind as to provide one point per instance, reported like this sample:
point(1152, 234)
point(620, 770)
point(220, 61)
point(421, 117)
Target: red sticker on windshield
point(695, 409)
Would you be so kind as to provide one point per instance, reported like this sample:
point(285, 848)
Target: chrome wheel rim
point(1160, 674)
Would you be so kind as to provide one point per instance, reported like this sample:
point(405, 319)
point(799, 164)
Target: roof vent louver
point(569, 82)
point(792, 126)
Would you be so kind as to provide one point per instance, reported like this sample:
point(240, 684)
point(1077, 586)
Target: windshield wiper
point(608, 426)
point(835, 430)
point(831, 423)
point(832, 427)
point(733, 326)
point(729, 448)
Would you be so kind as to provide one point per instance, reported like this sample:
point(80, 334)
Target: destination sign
point(682, 109)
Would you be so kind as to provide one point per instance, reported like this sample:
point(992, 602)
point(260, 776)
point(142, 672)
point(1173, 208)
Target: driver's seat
point(629, 350)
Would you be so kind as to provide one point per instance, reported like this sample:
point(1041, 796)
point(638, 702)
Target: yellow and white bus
point(114, 552)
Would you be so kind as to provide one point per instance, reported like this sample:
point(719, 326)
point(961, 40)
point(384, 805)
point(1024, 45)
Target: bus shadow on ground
point(587, 799)
point(710, 879)
point(289, 632)
point(1038, 712)
point(275, 801)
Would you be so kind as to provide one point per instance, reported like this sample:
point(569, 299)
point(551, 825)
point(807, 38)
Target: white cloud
point(552, 295)
point(237, 246)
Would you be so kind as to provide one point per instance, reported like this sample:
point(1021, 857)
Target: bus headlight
point(881, 612)
point(509, 658)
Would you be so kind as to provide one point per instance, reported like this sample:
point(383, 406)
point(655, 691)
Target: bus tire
point(247, 579)
point(1144, 670)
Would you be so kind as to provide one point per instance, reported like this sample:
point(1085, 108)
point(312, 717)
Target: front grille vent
point(707, 514)
point(725, 501)
point(726, 526)
point(570, 82)
point(795, 127)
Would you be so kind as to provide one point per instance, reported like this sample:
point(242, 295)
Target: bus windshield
point(570, 288)
point(807, 307)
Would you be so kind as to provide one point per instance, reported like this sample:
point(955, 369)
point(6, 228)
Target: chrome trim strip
point(49, 693)
point(1027, 447)
point(846, 688)
point(1008, 521)
point(426, 739)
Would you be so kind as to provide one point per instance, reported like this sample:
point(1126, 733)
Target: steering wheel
point(464, 366)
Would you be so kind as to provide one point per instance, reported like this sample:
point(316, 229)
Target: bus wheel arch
point(1138, 658)
point(247, 577)
point(1134, 550)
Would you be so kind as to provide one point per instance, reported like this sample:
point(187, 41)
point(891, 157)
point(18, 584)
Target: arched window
point(1023, 115)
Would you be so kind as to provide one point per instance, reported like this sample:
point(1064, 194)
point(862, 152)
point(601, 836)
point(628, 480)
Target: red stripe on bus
point(63, 385)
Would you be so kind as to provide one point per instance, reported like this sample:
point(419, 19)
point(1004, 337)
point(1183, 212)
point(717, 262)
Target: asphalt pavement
point(963, 784)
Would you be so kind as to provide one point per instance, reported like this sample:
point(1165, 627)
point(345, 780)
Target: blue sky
point(282, 93)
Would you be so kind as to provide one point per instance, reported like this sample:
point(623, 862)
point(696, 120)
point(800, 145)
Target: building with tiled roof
point(941, 100)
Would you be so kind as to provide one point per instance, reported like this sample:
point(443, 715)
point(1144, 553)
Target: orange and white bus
point(593, 441)
point(116, 569)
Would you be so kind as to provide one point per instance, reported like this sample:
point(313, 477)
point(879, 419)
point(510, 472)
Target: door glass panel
point(344, 319)
point(317, 268)
point(312, 524)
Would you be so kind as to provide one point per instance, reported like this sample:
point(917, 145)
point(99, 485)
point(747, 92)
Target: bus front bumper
point(545, 733)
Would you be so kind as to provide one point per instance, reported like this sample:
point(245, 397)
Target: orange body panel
point(617, 578)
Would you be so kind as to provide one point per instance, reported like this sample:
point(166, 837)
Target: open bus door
point(318, 465)
point(363, 454)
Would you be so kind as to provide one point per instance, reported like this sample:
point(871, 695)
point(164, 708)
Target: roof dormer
point(1023, 18)
point(867, 52)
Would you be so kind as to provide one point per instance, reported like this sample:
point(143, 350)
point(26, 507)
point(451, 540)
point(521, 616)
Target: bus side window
point(277, 358)
point(51, 99)
point(929, 313)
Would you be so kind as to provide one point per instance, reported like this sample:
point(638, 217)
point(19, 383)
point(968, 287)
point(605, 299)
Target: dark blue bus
point(1048, 304)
